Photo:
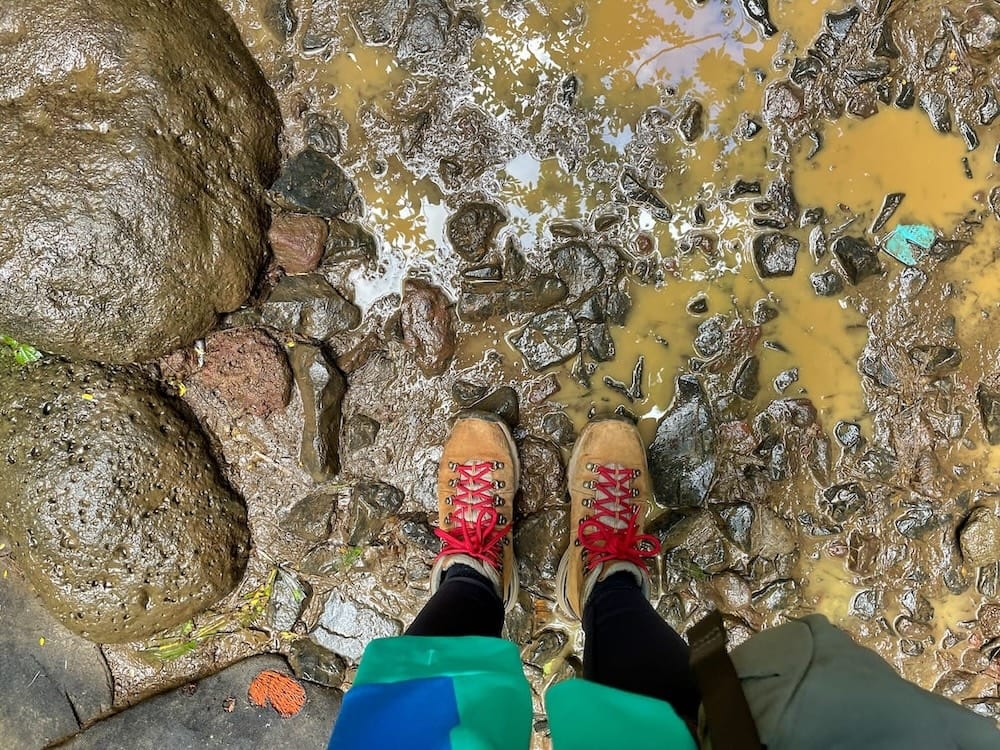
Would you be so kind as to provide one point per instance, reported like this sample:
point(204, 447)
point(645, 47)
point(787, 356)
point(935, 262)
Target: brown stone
point(298, 241)
point(248, 370)
point(428, 325)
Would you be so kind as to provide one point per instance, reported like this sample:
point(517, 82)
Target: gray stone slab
point(186, 719)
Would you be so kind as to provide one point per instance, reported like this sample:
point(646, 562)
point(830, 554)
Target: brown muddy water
point(541, 108)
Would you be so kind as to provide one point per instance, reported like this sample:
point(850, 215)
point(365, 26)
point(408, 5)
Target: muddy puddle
point(703, 215)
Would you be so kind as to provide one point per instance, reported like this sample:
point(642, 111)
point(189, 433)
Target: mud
point(656, 209)
point(137, 141)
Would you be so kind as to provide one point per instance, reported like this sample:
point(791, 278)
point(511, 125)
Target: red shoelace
point(477, 531)
point(611, 534)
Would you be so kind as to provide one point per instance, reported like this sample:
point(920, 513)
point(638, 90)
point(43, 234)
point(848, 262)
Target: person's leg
point(466, 603)
point(630, 647)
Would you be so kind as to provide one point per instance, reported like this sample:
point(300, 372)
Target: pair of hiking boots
point(609, 494)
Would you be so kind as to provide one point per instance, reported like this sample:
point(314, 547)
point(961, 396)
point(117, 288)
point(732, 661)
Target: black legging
point(628, 645)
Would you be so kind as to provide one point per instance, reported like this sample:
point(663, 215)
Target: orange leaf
point(283, 692)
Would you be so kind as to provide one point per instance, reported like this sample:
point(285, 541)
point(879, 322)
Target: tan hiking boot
point(477, 481)
point(610, 493)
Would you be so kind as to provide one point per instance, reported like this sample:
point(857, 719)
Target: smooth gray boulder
point(111, 501)
point(136, 140)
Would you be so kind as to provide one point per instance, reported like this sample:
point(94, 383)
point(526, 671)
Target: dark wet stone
point(989, 411)
point(47, 691)
point(780, 595)
point(146, 532)
point(549, 338)
point(934, 360)
point(746, 384)
point(539, 542)
point(737, 521)
point(969, 135)
point(279, 18)
point(698, 540)
point(937, 107)
point(885, 45)
point(826, 283)
point(371, 505)
point(907, 96)
point(918, 522)
point(681, 456)
point(360, 432)
point(540, 390)
point(311, 662)
point(691, 120)
point(742, 188)
point(842, 501)
point(321, 388)
point(637, 192)
point(840, 24)
point(348, 241)
point(199, 718)
point(321, 133)
point(136, 219)
point(848, 434)
point(990, 107)
point(817, 243)
point(565, 229)
point(503, 402)
point(540, 651)
point(379, 22)
point(805, 68)
point(697, 305)
point(309, 306)
point(749, 127)
point(347, 627)
point(617, 307)
point(486, 272)
point(416, 528)
point(559, 427)
point(785, 378)
point(862, 553)
point(425, 31)
point(577, 267)
point(313, 182)
point(890, 203)
point(568, 90)
point(783, 201)
point(862, 104)
point(605, 222)
point(866, 604)
point(712, 335)
point(856, 258)
point(979, 537)
point(542, 476)
point(770, 535)
point(289, 596)
point(764, 312)
point(783, 101)
point(428, 326)
point(934, 55)
point(758, 12)
point(592, 310)
point(311, 518)
point(775, 254)
point(878, 464)
point(873, 71)
point(600, 344)
point(471, 230)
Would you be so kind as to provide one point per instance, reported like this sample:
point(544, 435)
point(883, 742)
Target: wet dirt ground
point(708, 179)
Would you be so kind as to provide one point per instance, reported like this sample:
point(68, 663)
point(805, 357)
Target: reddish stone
point(298, 241)
point(247, 370)
point(428, 325)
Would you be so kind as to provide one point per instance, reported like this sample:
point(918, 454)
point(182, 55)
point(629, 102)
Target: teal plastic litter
point(909, 243)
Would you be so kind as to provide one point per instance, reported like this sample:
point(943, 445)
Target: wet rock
point(321, 388)
point(578, 268)
point(936, 105)
point(311, 518)
point(885, 45)
point(539, 542)
point(346, 627)
point(146, 532)
point(247, 370)
point(777, 596)
point(310, 307)
point(840, 24)
point(806, 68)
point(542, 476)
point(297, 241)
point(954, 683)
point(700, 538)
point(428, 326)
point(697, 305)
point(426, 29)
point(748, 127)
point(848, 434)
point(279, 18)
point(934, 360)
point(600, 344)
point(785, 378)
point(105, 254)
point(311, 662)
point(742, 188)
point(890, 203)
point(287, 600)
point(548, 646)
point(503, 402)
point(873, 71)
point(416, 528)
point(47, 690)
point(770, 535)
point(347, 241)
point(981, 31)
point(764, 312)
point(682, 454)
point(691, 120)
point(842, 501)
point(775, 254)
point(990, 107)
point(379, 22)
point(757, 11)
point(826, 283)
point(198, 715)
point(467, 393)
point(783, 101)
point(472, 228)
point(712, 335)
point(371, 505)
point(312, 181)
point(783, 200)
point(907, 96)
point(360, 432)
point(866, 604)
point(617, 307)
point(856, 258)
point(989, 411)
point(559, 427)
point(738, 520)
point(321, 134)
point(638, 192)
point(549, 338)
point(746, 384)
point(979, 537)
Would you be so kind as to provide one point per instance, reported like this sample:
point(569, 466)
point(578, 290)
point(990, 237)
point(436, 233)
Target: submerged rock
point(549, 338)
point(132, 213)
point(578, 268)
point(114, 507)
point(856, 258)
point(471, 230)
point(321, 388)
point(979, 537)
point(682, 454)
point(428, 326)
point(775, 254)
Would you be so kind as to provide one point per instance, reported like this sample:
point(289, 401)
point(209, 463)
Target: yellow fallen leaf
point(87, 396)
point(181, 389)
point(41, 641)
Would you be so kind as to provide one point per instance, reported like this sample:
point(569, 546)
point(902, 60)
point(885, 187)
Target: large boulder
point(111, 501)
point(136, 139)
